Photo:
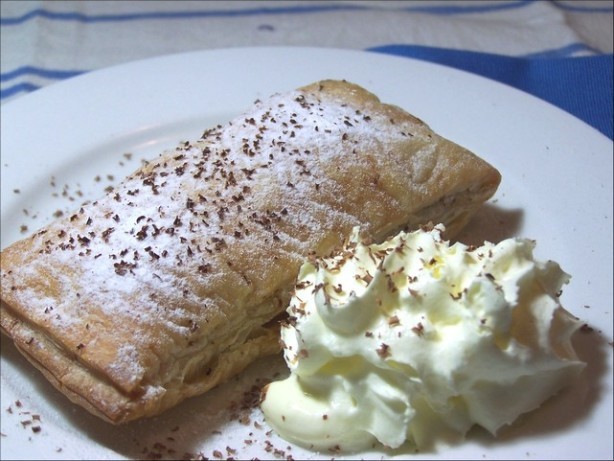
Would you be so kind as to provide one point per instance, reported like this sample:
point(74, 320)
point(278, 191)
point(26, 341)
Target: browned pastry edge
point(69, 377)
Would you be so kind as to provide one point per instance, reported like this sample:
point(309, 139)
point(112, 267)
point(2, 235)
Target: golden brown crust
point(159, 290)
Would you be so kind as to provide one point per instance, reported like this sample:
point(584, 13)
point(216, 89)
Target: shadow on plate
point(493, 224)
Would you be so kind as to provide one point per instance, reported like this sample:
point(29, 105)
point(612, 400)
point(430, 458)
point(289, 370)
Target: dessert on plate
point(168, 285)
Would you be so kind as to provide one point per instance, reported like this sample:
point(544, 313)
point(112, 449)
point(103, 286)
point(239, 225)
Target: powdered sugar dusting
point(128, 358)
point(161, 258)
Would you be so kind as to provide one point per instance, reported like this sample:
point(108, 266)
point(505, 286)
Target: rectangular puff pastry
point(167, 286)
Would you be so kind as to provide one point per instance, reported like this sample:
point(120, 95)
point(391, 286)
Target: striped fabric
point(47, 41)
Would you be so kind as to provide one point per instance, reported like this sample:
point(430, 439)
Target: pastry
point(170, 284)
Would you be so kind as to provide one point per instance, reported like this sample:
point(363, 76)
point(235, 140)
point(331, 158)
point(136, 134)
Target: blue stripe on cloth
point(448, 9)
point(581, 86)
point(484, 7)
point(19, 88)
point(39, 72)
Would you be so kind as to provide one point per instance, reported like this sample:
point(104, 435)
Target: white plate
point(557, 189)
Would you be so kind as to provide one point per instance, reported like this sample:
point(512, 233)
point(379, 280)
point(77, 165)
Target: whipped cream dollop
point(415, 339)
